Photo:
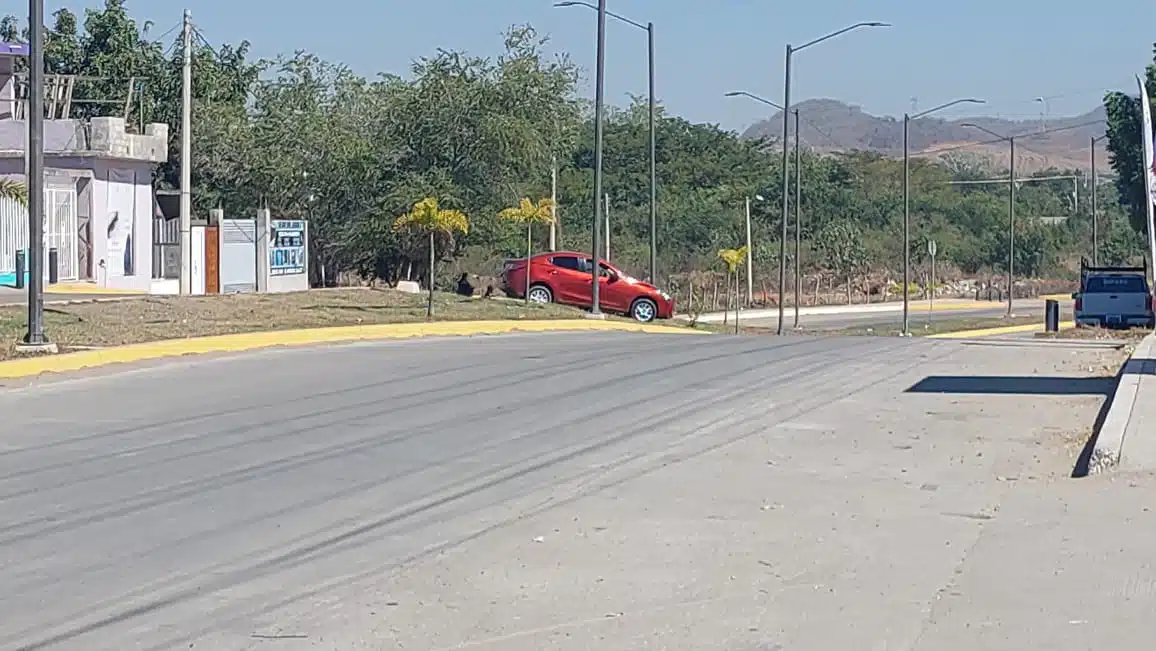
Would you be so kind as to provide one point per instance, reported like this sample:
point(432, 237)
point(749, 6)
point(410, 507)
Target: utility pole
point(1011, 229)
point(554, 203)
point(186, 142)
point(750, 275)
point(798, 222)
point(35, 339)
point(606, 208)
point(1095, 218)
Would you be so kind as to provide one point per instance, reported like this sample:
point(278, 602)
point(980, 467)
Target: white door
point(60, 231)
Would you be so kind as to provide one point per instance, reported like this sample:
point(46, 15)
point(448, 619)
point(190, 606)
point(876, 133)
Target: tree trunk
point(727, 299)
point(429, 303)
point(737, 302)
point(529, 254)
point(849, 300)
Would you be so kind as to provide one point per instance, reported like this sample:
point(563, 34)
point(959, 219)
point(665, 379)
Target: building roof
point(14, 49)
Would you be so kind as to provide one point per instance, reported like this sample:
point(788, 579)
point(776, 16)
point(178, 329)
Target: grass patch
point(102, 324)
point(924, 329)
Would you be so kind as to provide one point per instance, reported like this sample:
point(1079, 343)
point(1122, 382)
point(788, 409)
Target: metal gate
point(60, 232)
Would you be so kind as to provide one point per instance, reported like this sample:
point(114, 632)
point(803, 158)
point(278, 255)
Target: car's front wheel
point(541, 294)
point(644, 310)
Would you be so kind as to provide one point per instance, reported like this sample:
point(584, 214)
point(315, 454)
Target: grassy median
point(99, 324)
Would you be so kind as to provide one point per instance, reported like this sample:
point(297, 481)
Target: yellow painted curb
point(991, 332)
point(87, 288)
point(969, 305)
point(29, 366)
point(1056, 297)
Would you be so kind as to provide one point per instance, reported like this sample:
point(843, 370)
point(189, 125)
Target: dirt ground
point(1103, 334)
point(98, 324)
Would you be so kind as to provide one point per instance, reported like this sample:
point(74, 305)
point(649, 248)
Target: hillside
point(831, 125)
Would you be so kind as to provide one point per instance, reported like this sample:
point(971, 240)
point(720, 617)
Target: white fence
point(60, 232)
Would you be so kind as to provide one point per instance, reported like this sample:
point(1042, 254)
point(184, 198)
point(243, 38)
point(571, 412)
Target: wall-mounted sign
point(286, 247)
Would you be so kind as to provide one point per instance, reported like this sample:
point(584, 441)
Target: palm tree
point(733, 258)
point(529, 213)
point(427, 218)
point(14, 190)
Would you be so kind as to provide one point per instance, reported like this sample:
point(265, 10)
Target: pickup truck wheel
point(541, 294)
point(643, 310)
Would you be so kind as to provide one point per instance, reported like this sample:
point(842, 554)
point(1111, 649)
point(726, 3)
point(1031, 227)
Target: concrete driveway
point(571, 491)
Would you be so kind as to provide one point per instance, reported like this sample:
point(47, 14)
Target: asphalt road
point(522, 493)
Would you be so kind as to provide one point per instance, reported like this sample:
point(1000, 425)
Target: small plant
point(529, 213)
point(733, 259)
point(428, 218)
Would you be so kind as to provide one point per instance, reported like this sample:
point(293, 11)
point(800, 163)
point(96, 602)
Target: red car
point(564, 277)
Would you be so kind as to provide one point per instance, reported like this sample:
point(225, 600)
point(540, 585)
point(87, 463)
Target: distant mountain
point(831, 125)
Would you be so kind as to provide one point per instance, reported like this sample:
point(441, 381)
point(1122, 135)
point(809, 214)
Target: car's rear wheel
point(644, 310)
point(541, 294)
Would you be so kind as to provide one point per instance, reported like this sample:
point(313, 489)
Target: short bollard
point(1052, 315)
point(21, 268)
point(53, 266)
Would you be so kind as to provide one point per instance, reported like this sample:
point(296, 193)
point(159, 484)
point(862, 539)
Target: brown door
point(212, 261)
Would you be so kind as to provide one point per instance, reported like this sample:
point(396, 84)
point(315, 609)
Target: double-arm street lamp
point(798, 193)
point(906, 201)
point(786, 129)
point(1011, 207)
point(649, 29)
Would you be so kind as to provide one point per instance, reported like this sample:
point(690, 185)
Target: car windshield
point(1116, 284)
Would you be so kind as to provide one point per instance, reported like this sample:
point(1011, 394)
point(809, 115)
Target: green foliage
point(311, 139)
point(13, 190)
point(1124, 143)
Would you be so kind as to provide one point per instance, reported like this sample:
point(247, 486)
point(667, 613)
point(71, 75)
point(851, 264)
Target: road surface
point(570, 491)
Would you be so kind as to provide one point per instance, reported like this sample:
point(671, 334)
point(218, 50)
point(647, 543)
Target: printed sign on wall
point(287, 247)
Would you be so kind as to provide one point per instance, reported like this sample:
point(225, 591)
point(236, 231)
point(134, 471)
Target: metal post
point(599, 96)
point(1011, 233)
point(186, 158)
point(35, 335)
point(785, 188)
point(53, 266)
point(653, 164)
point(554, 203)
point(750, 256)
point(1095, 221)
point(906, 227)
point(21, 268)
point(798, 222)
point(931, 296)
point(606, 211)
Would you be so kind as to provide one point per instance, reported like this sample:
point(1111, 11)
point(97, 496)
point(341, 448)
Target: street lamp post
point(906, 202)
point(1095, 219)
point(798, 197)
point(35, 153)
point(649, 29)
point(791, 50)
point(1011, 208)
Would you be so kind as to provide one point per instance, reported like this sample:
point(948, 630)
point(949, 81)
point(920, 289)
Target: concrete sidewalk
point(941, 305)
point(1127, 436)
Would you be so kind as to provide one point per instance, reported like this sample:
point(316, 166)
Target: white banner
point(1148, 139)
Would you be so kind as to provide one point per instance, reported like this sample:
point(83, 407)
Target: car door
point(569, 280)
point(615, 293)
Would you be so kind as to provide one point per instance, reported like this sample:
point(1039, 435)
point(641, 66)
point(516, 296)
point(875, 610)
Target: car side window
point(568, 262)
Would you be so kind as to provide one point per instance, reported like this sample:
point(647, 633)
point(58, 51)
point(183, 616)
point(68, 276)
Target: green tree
point(840, 246)
point(1124, 138)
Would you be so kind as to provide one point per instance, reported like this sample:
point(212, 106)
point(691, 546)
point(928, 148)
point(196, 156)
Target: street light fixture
point(1011, 207)
point(786, 133)
point(599, 109)
point(649, 29)
point(798, 201)
point(906, 202)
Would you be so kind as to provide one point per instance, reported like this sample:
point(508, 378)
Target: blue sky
point(1005, 51)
